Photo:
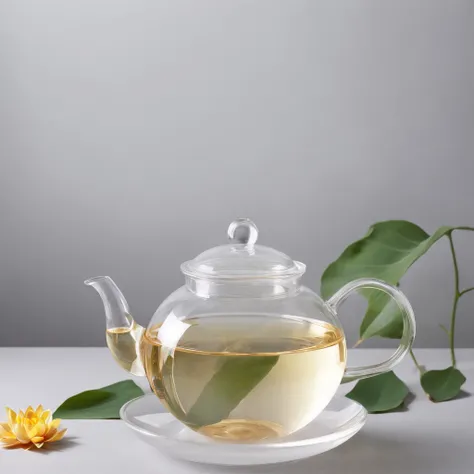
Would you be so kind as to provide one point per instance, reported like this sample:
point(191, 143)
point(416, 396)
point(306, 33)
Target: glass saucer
point(340, 420)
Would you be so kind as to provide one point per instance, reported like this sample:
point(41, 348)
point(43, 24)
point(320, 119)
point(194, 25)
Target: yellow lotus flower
point(32, 428)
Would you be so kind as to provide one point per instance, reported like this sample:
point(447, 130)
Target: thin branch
point(418, 366)
point(444, 328)
point(467, 290)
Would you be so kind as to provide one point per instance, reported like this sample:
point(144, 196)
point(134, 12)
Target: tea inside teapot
point(247, 378)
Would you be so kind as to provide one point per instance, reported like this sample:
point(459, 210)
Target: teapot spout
point(123, 334)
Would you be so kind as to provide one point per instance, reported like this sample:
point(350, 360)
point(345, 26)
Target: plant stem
point(418, 366)
point(457, 295)
point(467, 290)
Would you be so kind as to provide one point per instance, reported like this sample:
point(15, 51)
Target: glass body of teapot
point(242, 352)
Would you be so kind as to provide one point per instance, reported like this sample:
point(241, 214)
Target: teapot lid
point(242, 258)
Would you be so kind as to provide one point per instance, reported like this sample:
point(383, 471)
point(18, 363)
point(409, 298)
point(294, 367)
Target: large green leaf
point(441, 385)
point(103, 403)
point(234, 380)
point(381, 393)
point(386, 252)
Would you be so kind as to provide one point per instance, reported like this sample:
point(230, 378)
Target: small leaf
point(103, 403)
point(441, 385)
point(386, 252)
point(228, 387)
point(381, 393)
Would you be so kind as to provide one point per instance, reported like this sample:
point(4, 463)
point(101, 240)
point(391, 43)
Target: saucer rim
point(351, 427)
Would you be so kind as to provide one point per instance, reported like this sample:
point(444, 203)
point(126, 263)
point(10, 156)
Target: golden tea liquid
point(124, 344)
point(245, 378)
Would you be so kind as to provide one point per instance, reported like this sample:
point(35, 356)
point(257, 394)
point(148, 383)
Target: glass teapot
point(243, 351)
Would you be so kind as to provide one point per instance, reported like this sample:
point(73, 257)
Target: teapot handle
point(409, 326)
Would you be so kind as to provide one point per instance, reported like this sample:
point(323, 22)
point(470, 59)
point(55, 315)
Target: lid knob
point(243, 231)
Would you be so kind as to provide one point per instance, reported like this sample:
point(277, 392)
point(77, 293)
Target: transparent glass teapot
point(243, 351)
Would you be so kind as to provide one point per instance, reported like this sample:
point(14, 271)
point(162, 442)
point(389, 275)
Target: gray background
point(133, 132)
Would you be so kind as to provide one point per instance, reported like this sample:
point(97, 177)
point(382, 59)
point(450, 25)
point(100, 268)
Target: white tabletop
point(428, 438)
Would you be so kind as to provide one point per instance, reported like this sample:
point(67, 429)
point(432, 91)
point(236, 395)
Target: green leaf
point(386, 252)
point(234, 380)
point(103, 403)
point(381, 393)
point(441, 385)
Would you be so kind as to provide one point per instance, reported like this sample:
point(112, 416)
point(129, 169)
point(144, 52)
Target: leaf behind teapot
point(386, 252)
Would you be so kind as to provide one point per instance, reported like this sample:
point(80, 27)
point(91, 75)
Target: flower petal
point(54, 425)
point(50, 434)
point(39, 410)
point(5, 431)
point(46, 415)
point(8, 440)
point(30, 416)
point(58, 436)
point(10, 443)
point(41, 428)
point(11, 416)
point(38, 441)
point(32, 432)
point(21, 434)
